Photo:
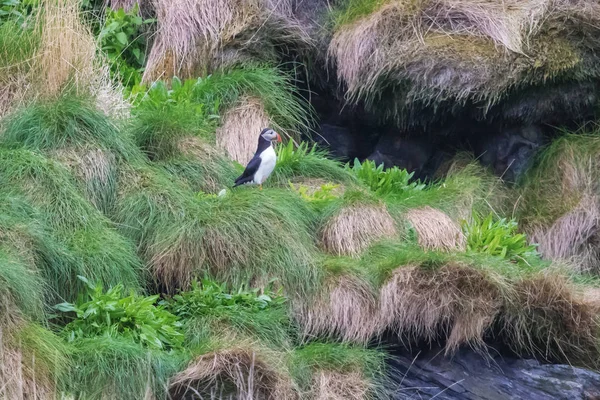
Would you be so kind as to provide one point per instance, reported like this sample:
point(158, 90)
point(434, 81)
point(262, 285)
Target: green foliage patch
point(497, 237)
point(208, 308)
point(110, 313)
point(384, 182)
point(122, 40)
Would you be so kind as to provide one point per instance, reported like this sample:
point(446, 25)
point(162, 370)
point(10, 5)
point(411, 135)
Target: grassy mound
point(93, 247)
point(470, 52)
point(560, 200)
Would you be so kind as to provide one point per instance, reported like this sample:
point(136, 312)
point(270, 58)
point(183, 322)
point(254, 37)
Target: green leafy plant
point(109, 313)
point(382, 182)
point(122, 39)
point(209, 310)
point(497, 237)
point(210, 297)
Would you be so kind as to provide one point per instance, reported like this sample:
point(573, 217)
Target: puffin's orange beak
point(278, 138)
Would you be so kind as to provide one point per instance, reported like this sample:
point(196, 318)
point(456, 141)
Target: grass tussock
point(242, 370)
point(560, 200)
point(460, 301)
point(239, 133)
point(435, 230)
point(552, 320)
point(345, 308)
point(523, 43)
point(353, 228)
point(196, 38)
point(338, 371)
point(34, 362)
point(90, 245)
point(116, 368)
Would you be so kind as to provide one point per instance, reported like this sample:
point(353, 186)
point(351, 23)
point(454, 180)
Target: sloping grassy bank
point(125, 274)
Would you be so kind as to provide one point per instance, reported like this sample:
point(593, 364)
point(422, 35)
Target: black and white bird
point(263, 162)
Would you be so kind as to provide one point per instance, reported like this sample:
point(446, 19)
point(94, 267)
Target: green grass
point(266, 234)
point(17, 46)
point(209, 310)
point(21, 285)
point(562, 174)
point(342, 358)
point(471, 188)
point(65, 122)
point(75, 133)
point(118, 368)
point(208, 176)
point(94, 248)
point(306, 161)
point(350, 11)
point(193, 107)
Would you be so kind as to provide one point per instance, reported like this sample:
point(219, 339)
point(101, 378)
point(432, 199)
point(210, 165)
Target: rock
point(469, 376)
point(339, 140)
point(406, 153)
point(511, 151)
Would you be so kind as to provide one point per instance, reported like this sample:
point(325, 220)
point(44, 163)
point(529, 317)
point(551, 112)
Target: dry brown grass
point(442, 50)
point(242, 372)
point(573, 237)
point(347, 308)
point(435, 230)
point(238, 135)
point(354, 228)
point(196, 37)
point(551, 319)
point(331, 385)
point(455, 302)
point(68, 50)
point(20, 377)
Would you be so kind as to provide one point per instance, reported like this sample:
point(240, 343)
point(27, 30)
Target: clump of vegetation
point(210, 310)
point(111, 314)
point(497, 237)
point(341, 370)
point(384, 182)
point(122, 40)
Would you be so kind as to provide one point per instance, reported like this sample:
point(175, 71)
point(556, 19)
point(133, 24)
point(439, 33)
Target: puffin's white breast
point(268, 159)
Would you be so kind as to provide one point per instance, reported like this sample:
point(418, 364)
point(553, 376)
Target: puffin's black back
point(254, 163)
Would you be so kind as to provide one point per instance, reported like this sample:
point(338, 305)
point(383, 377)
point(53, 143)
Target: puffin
point(262, 164)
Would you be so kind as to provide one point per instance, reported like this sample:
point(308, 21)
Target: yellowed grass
point(573, 237)
point(195, 37)
point(331, 385)
point(467, 49)
point(67, 51)
point(435, 230)
point(347, 309)
point(354, 228)
point(240, 371)
point(20, 379)
point(455, 302)
point(238, 135)
point(553, 320)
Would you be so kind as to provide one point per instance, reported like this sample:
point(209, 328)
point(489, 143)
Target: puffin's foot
point(259, 187)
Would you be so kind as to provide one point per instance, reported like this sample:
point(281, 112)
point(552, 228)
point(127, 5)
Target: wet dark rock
point(338, 140)
point(407, 153)
point(469, 376)
point(511, 151)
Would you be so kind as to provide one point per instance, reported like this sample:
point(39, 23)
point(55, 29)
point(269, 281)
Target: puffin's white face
point(270, 135)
